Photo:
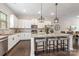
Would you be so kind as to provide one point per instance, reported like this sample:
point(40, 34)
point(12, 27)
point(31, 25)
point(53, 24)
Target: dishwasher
point(3, 46)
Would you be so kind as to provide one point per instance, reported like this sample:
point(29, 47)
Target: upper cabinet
point(13, 21)
point(3, 20)
point(22, 23)
point(42, 25)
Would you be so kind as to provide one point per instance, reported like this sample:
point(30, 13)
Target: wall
point(65, 23)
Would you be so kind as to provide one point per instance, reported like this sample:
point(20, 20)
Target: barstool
point(40, 44)
point(52, 44)
point(63, 43)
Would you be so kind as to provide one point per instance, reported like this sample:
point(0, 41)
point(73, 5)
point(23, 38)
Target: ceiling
point(65, 10)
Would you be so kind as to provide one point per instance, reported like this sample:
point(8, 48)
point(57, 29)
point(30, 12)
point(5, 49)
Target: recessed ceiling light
point(24, 10)
point(77, 16)
point(39, 12)
point(52, 13)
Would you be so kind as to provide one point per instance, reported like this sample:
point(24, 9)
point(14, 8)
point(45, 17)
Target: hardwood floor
point(23, 49)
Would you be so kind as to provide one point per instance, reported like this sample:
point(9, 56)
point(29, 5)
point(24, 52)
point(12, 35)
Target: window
point(3, 20)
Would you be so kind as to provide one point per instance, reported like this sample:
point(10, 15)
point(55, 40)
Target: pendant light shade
point(56, 20)
point(41, 19)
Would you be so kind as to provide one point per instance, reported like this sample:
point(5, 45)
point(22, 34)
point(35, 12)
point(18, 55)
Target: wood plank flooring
point(23, 49)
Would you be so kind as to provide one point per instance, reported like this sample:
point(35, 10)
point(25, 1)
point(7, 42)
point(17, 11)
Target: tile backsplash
point(6, 31)
point(28, 30)
point(11, 31)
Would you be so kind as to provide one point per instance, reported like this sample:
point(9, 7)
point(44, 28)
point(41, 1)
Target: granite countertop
point(49, 35)
point(7, 34)
point(2, 37)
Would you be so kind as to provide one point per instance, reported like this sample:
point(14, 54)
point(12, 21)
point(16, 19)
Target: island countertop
point(49, 35)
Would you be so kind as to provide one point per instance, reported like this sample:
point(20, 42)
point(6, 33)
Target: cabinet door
point(20, 24)
point(13, 21)
point(21, 36)
point(27, 36)
point(27, 24)
point(24, 24)
point(10, 42)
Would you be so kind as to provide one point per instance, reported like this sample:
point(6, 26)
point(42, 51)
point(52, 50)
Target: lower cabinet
point(25, 36)
point(12, 40)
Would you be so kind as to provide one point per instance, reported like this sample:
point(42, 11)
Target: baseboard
point(11, 49)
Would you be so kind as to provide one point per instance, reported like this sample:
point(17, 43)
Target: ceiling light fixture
point(56, 20)
point(41, 19)
point(39, 12)
point(24, 10)
point(77, 16)
point(52, 13)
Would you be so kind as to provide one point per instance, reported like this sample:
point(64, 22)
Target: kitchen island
point(50, 35)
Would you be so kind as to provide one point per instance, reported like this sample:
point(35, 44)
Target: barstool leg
point(53, 45)
point(49, 46)
point(67, 45)
point(63, 45)
point(57, 45)
point(43, 47)
point(35, 48)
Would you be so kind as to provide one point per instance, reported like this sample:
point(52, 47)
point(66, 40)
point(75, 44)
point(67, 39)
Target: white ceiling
point(65, 10)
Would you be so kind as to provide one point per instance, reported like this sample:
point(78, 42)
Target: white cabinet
point(20, 24)
point(12, 40)
point(25, 36)
point(24, 23)
point(13, 21)
point(42, 25)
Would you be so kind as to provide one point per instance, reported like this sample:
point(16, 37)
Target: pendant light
point(56, 20)
point(41, 19)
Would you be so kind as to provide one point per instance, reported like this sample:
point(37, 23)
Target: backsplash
point(6, 31)
point(15, 30)
point(28, 30)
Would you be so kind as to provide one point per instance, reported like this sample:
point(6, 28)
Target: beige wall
point(65, 23)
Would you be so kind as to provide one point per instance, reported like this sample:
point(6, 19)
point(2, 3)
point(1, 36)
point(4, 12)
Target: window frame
point(5, 21)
